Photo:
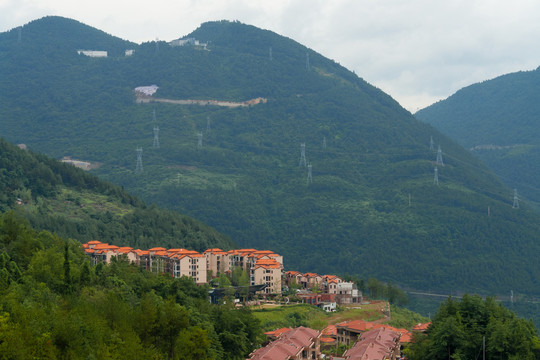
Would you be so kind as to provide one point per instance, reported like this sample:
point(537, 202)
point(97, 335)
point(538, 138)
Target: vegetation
point(372, 208)
point(459, 329)
point(55, 305)
point(63, 199)
point(497, 120)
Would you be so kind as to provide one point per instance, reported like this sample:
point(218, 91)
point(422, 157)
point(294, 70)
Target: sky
point(417, 51)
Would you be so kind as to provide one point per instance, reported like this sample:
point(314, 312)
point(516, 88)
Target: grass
point(78, 204)
point(313, 317)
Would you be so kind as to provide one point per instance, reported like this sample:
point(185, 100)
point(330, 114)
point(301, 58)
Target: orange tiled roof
point(103, 246)
point(293, 273)
point(330, 330)
point(406, 337)
point(267, 264)
point(157, 249)
point(277, 332)
point(93, 242)
point(421, 327)
point(325, 339)
point(358, 325)
point(263, 252)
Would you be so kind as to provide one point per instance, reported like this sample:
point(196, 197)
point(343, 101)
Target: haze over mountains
point(371, 206)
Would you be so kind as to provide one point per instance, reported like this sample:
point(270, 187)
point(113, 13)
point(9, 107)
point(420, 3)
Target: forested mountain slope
point(370, 207)
point(60, 198)
point(498, 120)
point(55, 305)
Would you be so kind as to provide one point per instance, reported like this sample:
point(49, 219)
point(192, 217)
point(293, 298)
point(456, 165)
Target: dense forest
point(498, 121)
point(60, 198)
point(471, 327)
point(371, 206)
point(55, 305)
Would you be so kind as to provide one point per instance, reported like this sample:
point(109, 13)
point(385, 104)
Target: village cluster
point(371, 341)
point(267, 278)
point(264, 267)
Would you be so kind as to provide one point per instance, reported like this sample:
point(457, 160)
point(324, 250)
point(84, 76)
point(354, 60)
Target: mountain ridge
point(372, 207)
point(501, 112)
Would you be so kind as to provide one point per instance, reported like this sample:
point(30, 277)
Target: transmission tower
point(516, 200)
point(302, 154)
point(309, 175)
point(154, 116)
point(439, 157)
point(199, 140)
point(307, 62)
point(270, 51)
point(208, 124)
point(436, 177)
point(139, 167)
point(156, 137)
point(157, 45)
point(324, 142)
point(19, 34)
point(431, 143)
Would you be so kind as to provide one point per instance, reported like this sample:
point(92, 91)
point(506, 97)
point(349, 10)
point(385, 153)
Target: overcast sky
point(418, 51)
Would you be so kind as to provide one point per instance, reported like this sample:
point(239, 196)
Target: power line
point(439, 156)
point(302, 154)
point(156, 137)
point(199, 140)
point(139, 166)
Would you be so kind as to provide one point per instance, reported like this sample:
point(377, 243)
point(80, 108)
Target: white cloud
point(418, 51)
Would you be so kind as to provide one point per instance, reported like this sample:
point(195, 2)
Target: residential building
point(347, 293)
point(376, 344)
point(217, 262)
point(263, 266)
point(313, 281)
point(348, 332)
point(329, 337)
point(267, 271)
point(329, 283)
point(296, 344)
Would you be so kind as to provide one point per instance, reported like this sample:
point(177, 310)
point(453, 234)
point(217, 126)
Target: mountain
point(369, 206)
point(60, 198)
point(498, 121)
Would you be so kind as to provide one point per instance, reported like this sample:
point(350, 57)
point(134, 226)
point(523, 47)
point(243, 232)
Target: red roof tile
point(277, 332)
point(356, 325)
point(157, 249)
point(330, 330)
point(421, 327)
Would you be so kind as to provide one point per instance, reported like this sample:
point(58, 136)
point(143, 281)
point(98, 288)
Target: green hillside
point(498, 121)
point(55, 305)
point(60, 198)
point(372, 207)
